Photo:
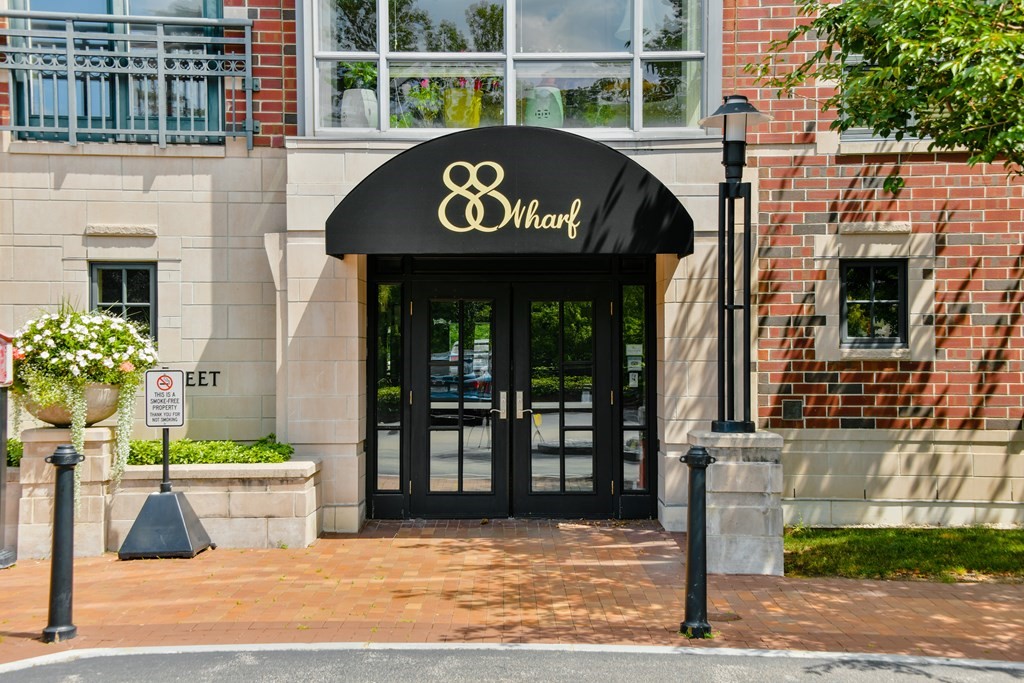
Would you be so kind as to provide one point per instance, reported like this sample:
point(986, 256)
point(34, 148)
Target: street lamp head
point(734, 115)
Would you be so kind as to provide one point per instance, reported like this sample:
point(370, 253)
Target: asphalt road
point(455, 664)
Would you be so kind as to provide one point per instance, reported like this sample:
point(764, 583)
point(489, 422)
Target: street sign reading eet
point(165, 398)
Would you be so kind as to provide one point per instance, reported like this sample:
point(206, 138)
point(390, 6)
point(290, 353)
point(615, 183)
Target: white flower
point(44, 354)
point(75, 371)
point(49, 342)
point(108, 363)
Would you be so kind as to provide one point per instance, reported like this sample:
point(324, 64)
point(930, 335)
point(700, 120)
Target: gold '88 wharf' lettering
point(475, 188)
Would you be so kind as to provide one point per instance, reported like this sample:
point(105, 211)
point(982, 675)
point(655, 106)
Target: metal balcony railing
point(118, 78)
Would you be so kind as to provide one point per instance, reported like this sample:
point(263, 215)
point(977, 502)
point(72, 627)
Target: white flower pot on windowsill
point(359, 108)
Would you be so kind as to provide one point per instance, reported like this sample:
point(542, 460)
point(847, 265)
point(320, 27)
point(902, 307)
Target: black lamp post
point(735, 114)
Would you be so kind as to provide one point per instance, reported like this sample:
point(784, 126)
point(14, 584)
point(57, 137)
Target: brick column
point(35, 509)
point(744, 502)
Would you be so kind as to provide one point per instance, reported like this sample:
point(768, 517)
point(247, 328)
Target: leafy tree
point(950, 71)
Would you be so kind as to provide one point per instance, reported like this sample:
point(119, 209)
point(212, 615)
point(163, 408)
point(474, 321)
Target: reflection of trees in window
point(873, 301)
point(486, 22)
point(561, 349)
point(355, 25)
point(446, 38)
point(633, 335)
point(604, 102)
point(413, 29)
point(410, 25)
point(666, 78)
point(668, 36)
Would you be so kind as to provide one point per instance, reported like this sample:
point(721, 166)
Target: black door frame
point(525, 502)
point(422, 502)
point(413, 272)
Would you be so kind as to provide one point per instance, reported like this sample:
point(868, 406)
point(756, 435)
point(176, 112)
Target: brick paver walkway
point(506, 581)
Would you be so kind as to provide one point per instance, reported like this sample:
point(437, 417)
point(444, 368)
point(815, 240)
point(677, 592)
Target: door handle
point(502, 410)
point(520, 410)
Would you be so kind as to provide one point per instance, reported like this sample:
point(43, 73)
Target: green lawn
point(960, 554)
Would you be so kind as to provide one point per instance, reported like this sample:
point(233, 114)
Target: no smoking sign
point(165, 398)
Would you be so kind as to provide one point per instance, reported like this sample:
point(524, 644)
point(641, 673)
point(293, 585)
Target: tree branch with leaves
point(947, 71)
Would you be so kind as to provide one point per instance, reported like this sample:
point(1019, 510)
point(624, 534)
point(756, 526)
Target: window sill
point(119, 149)
point(831, 142)
point(378, 140)
point(866, 353)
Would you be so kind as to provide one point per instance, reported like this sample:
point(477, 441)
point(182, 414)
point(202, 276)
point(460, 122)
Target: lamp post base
point(732, 426)
point(695, 629)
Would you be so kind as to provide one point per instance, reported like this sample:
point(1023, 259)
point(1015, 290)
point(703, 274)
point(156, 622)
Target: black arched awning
point(510, 190)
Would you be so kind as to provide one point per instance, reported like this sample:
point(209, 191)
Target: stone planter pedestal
point(744, 502)
point(35, 509)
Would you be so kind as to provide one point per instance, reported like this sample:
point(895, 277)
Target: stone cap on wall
point(274, 470)
point(740, 447)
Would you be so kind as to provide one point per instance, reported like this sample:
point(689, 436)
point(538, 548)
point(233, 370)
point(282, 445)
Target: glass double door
point(511, 400)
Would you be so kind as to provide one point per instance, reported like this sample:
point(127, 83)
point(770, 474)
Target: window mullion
point(636, 90)
point(511, 87)
point(383, 68)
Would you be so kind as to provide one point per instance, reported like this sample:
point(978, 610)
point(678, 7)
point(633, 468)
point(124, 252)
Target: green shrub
point(14, 451)
point(188, 452)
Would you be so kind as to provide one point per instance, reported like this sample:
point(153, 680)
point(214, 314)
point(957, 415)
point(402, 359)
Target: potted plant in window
point(424, 99)
point(74, 368)
point(462, 100)
point(358, 106)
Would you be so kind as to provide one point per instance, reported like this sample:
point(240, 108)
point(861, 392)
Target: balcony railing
point(100, 77)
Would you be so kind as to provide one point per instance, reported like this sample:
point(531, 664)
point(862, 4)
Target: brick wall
point(275, 64)
point(974, 380)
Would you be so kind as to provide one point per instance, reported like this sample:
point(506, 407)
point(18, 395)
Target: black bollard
point(62, 559)
point(696, 624)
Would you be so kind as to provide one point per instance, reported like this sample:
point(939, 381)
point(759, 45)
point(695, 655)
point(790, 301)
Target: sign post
point(7, 555)
point(167, 526)
point(165, 407)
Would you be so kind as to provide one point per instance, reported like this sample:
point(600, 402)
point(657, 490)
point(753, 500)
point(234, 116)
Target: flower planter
point(100, 399)
point(358, 108)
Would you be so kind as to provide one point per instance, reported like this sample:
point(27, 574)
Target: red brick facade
point(975, 380)
point(275, 65)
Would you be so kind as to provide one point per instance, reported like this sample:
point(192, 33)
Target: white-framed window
point(607, 67)
point(877, 297)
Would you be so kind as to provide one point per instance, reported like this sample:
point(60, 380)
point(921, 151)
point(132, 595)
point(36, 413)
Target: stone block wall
point(744, 502)
point(240, 506)
point(11, 501)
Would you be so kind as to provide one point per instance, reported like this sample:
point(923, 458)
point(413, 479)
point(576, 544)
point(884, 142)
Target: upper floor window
point(576, 64)
point(874, 302)
point(127, 290)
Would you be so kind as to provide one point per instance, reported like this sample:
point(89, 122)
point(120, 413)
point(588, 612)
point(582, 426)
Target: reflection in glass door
point(561, 452)
point(460, 434)
point(461, 336)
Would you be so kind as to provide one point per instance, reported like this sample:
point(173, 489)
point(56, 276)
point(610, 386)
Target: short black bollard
point(62, 559)
point(696, 624)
